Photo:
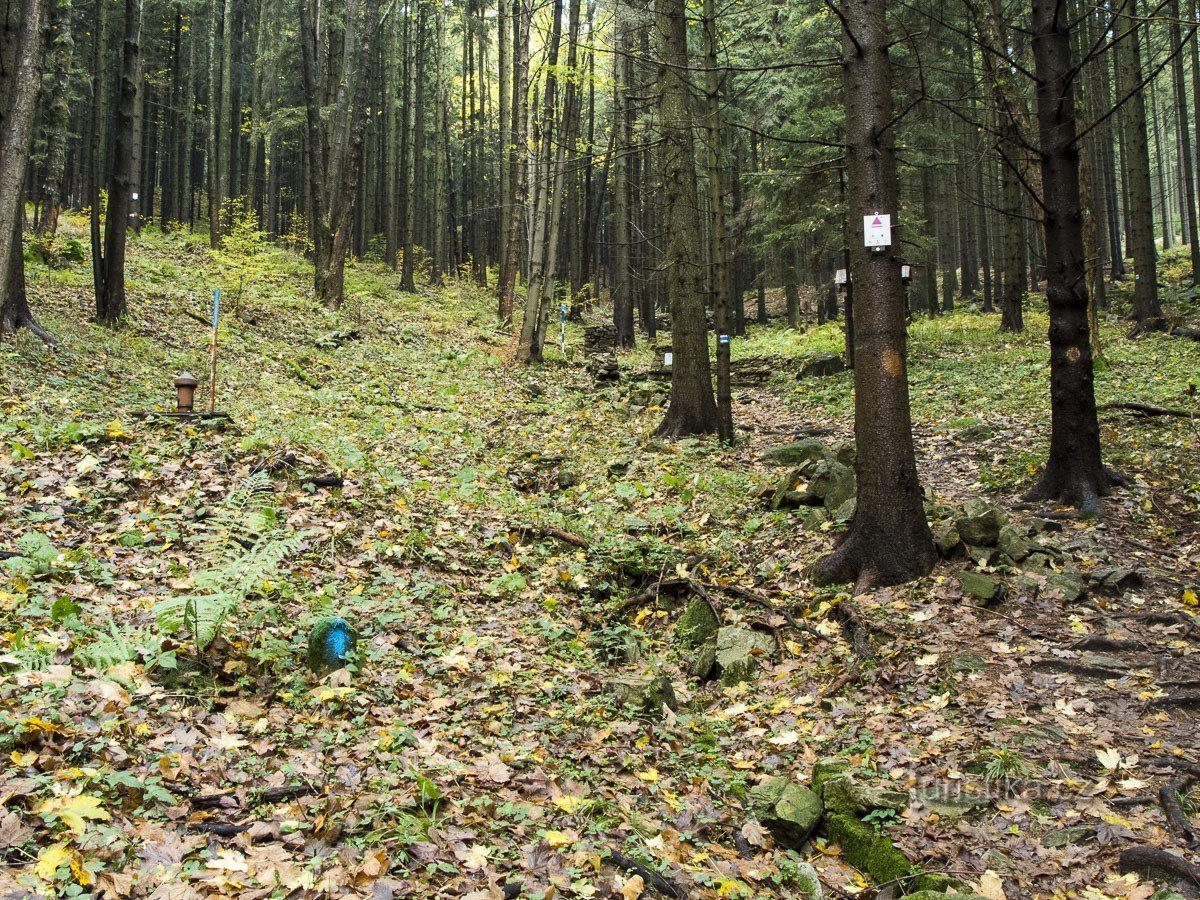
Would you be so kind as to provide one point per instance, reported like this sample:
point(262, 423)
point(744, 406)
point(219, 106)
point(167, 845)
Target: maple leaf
point(73, 811)
point(633, 887)
point(50, 859)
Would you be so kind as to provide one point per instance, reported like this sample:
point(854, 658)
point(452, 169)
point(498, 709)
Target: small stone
point(788, 811)
point(697, 625)
point(738, 651)
point(646, 694)
point(980, 523)
point(1036, 561)
point(1114, 579)
point(948, 541)
point(812, 517)
point(982, 588)
point(619, 467)
point(1014, 544)
point(1073, 834)
point(982, 556)
point(809, 450)
point(1066, 585)
point(565, 480)
point(1041, 526)
point(846, 511)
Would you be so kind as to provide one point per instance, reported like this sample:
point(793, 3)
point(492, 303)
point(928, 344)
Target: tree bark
point(692, 409)
point(57, 123)
point(111, 305)
point(889, 541)
point(1074, 474)
point(1147, 313)
point(23, 51)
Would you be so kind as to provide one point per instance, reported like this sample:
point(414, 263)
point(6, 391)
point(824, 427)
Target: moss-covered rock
point(846, 794)
point(646, 695)
point(828, 767)
point(738, 651)
point(1014, 544)
point(697, 625)
point(867, 850)
point(832, 484)
point(942, 895)
point(980, 523)
point(704, 663)
point(788, 811)
point(948, 540)
point(983, 589)
point(808, 450)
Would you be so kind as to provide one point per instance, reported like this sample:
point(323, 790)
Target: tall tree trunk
point(1147, 313)
point(1185, 136)
point(622, 290)
point(1074, 474)
point(111, 304)
point(889, 541)
point(57, 122)
point(692, 409)
point(506, 289)
point(718, 244)
point(22, 57)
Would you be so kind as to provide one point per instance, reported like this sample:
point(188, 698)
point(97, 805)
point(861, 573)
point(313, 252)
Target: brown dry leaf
point(633, 887)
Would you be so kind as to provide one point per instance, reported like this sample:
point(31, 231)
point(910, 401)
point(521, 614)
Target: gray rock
point(807, 882)
point(1014, 543)
point(565, 480)
point(738, 651)
point(846, 511)
point(948, 541)
point(1073, 834)
point(1066, 585)
point(981, 588)
point(980, 523)
point(1114, 579)
point(812, 517)
point(704, 662)
point(948, 807)
point(832, 483)
point(827, 768)
point(697, 625)
point(983, 556)
point(845, 452)
point(620, 467)
point(647, 694)
point(788, 811)
point(821, 366)
point(808, 450)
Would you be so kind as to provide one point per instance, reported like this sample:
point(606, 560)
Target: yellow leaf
point(570, 805)
point(21, 760)
point(82, 875)
point(1190, 599)
point(72, 811)
point(558, 839)
point(1109, 758)
point(633, 887)
point(50, 859)
point(650, 776)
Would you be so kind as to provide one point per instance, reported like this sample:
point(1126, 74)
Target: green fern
point(110, 648)
point(243, 545)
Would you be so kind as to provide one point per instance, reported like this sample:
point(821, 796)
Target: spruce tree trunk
point(622, 291)
point(718, 244)
point(1074, 474)
point(692, 409)
point(889, 541)
point(22, 63)
point(1185, 137)
point(1147, 313)
point(57, 122)
point(506, 289)
point(110, 303)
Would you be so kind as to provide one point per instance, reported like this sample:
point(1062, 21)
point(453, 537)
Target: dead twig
point(550, 531)
point(766, 603)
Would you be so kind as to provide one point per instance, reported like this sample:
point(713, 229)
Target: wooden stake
point(212, 352)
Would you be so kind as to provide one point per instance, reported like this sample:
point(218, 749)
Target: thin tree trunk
point(57, 123)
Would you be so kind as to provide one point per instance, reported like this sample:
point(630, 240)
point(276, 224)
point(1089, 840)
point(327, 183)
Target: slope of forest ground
point(407, 476)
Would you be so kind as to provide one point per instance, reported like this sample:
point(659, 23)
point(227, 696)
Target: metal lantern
point(185, 391)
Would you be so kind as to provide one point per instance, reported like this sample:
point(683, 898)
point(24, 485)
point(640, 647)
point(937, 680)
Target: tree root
point(1072, 668)
point(1178, 701)
point(1148, 411)
point(767, 604)
point(1168, 798)
point(1099, 642)
point(1143, 859)
point(12, 326)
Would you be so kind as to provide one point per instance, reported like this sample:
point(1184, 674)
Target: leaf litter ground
point(471, 743)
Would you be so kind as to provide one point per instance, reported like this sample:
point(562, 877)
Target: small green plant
point(880, 819)
point(243, 545)
point(1005, 763)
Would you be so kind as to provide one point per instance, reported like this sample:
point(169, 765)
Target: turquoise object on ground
point(329, 643)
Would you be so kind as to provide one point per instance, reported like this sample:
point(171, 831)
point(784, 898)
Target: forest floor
point(388, 463)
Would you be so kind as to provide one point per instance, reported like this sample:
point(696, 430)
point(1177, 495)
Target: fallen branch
point(565, 536)
point(766, 603)
point(649, 876)
point(220, 829)
point(841, 681)
point(652, 594)
point(1145, 409)
point(1180, 701)
point(1168, 798)
point(1143, 859)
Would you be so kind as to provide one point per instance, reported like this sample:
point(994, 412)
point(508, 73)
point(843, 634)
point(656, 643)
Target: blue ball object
point(331, 641)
